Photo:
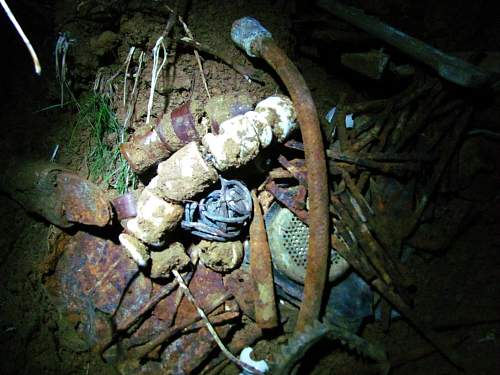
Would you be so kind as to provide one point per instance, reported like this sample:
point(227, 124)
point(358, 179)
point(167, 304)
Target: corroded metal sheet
point(92, 271)
point(240, 284)
point(138, 293)
point(186, 353)
point(206, 286)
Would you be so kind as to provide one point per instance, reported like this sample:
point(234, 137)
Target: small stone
point(173, 257)
point(221, 256)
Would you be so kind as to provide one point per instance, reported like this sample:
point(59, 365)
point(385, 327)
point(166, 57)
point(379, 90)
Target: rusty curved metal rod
point(250, 35)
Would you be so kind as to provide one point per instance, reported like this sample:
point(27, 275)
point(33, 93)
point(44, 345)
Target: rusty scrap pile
point(161, 301)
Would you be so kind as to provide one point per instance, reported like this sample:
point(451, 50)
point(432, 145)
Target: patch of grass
point(105, 163)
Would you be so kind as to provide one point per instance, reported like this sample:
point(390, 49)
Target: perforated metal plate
point(288, 238)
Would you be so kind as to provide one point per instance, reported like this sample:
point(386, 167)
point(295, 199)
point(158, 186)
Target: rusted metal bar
point(249, 34)
point(448, 67)
point(261, 268)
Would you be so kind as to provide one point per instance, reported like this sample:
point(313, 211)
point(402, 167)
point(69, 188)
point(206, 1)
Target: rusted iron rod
point(266, 315)
point(448, 67)
point(257, 41)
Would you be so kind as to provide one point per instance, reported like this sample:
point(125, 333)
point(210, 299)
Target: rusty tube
point(257, 42)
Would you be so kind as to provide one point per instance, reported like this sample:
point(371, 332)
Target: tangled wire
point(222, 214)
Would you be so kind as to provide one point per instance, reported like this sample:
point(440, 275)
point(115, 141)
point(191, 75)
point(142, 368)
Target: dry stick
point(134, 94)
point(197, 55)
point(211, 329)
point(217, 319)
point(27, 43)
point(178, 297)
point(148, 306)
point(242, 339)
point(127, 65)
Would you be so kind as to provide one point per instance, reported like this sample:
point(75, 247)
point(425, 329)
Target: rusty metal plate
point(186, 353)
point(241, 285)
point(92, 271)
point(206, 286)
point(83, 201)
point(137, 294)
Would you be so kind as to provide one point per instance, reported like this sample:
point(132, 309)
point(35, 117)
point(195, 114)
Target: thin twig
point(127, 64)
point(248, 72)
point(134, 93)
point(197, 55)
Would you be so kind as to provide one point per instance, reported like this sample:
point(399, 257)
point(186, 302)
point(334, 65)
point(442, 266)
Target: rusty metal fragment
point(93, 268)
point(143, 151)
point(293, 198)
point(83, 201)
point(91, 274)
point(371, 64)
point(240, 284)
point(297, 167)
point(206, 286)
point(125, 205)
point(53, 192)
point(317, 263)
point(138, 293)
point(186, 353)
